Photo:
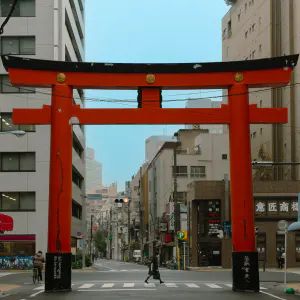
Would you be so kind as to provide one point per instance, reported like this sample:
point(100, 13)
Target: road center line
point(271, 295)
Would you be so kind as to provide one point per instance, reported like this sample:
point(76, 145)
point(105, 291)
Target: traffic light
point(125, 200)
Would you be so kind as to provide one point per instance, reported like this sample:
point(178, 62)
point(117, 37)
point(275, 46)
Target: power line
point(8, 16)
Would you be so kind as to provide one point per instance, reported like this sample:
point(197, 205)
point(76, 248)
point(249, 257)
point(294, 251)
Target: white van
point(137, 255)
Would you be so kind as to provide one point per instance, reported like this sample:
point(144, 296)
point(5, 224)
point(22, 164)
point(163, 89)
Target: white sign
point(273, 207)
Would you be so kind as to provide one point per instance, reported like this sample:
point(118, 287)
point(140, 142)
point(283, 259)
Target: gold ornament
point(238, 77)
point(61, 77)
point(150, 78)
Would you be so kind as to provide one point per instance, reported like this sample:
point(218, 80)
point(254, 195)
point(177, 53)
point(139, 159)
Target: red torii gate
point(150, 79)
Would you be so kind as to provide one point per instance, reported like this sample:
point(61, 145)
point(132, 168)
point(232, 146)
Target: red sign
point(95, 228)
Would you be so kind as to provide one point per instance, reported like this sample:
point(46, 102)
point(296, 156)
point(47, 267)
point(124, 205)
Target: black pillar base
point(245, 272)
point(58, 272)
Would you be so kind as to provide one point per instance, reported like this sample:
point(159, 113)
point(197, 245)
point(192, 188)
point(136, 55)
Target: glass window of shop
point(261, 246)
point(297, 245)
point(279, 244)
point(17, 248)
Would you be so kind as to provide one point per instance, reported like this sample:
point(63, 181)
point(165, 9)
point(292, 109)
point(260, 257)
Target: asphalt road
point(118, 280)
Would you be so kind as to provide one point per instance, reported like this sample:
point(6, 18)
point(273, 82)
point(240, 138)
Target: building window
point(181, 171)
point(279, 244)
point(16, 245)
point(17, 201)
point(77, 178)
point(6, 124)
point(24, 8)
point(261, 245)
point(229, 29)
point(224, 156)
point(239, 17)
point(227, 51)
point(246, 34)
point(253, 27)
point(17, 162)
point(198, 171)
point(253, 54)
point(251, 135)
point(24, 45)
point(76, 210)
point(252, 2)
point(254, 134)
point(246, 5)
point(7, 88)
point(297, 245)
point(77, 146)
point(260, 48)
point(261, 131)
point(260, 20)
point(260, 103)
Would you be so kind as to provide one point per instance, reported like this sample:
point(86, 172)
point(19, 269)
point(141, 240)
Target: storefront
point(17, 251)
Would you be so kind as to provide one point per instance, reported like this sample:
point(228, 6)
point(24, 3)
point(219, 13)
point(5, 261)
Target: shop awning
point(6, 223)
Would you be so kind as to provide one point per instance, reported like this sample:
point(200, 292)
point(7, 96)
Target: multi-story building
point(254, 29)
point(93, 171)
point(204, 103)
point(44, 29)
point(199, 156)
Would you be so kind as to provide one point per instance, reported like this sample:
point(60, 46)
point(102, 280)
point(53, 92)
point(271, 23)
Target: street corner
point(85, 270)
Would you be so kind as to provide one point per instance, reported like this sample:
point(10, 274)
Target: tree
point(99, 239)
point(230, 2)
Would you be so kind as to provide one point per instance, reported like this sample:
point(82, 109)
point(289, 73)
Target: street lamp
point(17, 133)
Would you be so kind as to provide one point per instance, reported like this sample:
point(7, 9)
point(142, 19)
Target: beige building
point(254, 29)
point(200, 156)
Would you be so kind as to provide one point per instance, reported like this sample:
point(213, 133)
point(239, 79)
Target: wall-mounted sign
point(163, 227)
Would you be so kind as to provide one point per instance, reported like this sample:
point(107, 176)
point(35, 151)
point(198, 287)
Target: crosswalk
point(143, 285)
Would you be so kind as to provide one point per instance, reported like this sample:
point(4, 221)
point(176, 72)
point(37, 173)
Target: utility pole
point(141, 218)
point(91, 238)
point(110, 242)
point(83, 225)
point(176, 227)
point(128, 225)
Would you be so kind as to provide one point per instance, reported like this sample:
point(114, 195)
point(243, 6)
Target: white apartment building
point(204, 103)
point(93, 171)
point(254, 29)
point(154, 143)
point(52, 30)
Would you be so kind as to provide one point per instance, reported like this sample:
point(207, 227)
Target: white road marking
point(128, 285)
point(263, 288)
point(86, 286)
point(116, 290)
point(149, 285)
point(40, 288)
point(192, 285)
point(108, 285)
point(213, 286)
point(271, 295)
point(229, 284)
point(173, 285)
point(33, 295)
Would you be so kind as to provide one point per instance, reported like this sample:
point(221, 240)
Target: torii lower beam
point(150, 79)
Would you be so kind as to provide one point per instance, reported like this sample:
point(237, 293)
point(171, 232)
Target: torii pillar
point(150, 79)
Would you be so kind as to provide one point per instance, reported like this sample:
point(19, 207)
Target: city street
point(120, 280)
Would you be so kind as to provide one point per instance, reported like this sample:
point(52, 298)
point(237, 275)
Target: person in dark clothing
point(38, 263)
point(153, 269)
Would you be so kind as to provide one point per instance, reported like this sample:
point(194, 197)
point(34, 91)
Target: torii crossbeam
point(150, 80)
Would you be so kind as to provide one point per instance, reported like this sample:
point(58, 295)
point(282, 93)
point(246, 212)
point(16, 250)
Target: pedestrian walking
point(153, 269)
